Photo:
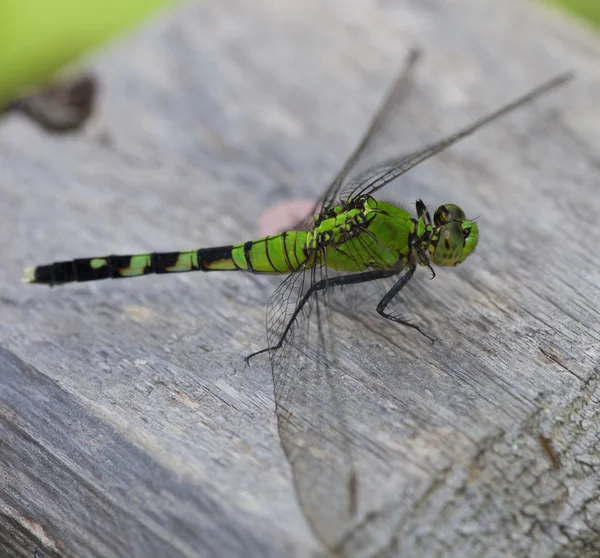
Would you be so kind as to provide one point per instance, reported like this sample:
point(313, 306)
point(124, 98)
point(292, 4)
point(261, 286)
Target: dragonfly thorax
point(338, 224)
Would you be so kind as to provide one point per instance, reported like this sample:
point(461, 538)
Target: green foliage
point(588, 9)
point(38, 37)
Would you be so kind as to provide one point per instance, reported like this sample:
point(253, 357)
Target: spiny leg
point(319, 286)
point(389, 296)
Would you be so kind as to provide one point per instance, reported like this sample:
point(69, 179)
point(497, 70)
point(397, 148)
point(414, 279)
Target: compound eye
point(447, 213)
point(449, 246)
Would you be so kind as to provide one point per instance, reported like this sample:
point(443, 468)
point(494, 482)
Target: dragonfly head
point(455, 237)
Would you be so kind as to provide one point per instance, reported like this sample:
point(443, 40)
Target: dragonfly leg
point(432, 271)
point(422, 211)
point(389, 296)
point(319, 286)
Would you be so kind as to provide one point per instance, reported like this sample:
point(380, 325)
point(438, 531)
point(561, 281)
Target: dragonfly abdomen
point(113, 267)
point(280, 253)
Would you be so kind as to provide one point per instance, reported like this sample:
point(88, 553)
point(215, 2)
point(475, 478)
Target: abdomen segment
point(280, 253)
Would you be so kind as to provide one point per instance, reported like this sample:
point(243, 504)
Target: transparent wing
point(366, 151)
point(310, 415)
point(310, 393)
point(377, 177)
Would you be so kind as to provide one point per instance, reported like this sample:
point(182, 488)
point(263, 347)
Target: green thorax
point(364, 233)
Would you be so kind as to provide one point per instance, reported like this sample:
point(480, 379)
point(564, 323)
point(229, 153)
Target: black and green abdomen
point(280, 253)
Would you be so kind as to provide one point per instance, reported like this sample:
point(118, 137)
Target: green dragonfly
point(349, 238)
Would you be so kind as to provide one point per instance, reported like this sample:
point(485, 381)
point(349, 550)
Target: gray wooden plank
point(98, 484)
point(253, 104)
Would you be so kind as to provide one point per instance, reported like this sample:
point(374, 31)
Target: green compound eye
point(455, 242)
point(449, 245)
point(457, 237)
point(471, 236)
point(447, 213)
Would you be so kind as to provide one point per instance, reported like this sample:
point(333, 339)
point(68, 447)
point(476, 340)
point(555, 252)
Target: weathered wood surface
point(130, 425)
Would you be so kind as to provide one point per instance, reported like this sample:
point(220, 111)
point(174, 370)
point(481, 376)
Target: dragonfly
point(351, 237)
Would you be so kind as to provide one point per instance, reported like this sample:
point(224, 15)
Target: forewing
point(385, 120)
point(372, 180)
point(310, 415)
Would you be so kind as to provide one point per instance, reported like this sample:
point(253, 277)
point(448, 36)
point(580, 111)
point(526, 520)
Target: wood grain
point(130, 425)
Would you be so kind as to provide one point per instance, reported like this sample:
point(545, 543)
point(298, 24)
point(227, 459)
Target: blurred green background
point(587, 9)
point(37, 37)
